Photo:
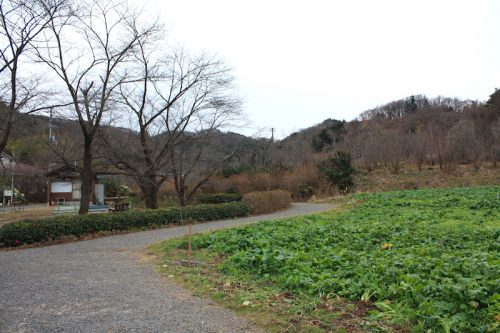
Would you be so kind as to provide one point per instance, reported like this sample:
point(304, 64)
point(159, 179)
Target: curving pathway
point(108, 285)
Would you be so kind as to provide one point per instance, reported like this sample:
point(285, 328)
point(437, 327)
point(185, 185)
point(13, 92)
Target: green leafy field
point(427, 259)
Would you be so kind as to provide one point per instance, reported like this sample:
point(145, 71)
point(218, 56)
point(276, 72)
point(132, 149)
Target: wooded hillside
point(424, 132)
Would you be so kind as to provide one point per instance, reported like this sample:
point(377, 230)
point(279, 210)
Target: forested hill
point(415, 129)
point(437, 131)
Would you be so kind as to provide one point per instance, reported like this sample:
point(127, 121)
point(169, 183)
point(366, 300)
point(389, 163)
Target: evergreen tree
point(339, 171)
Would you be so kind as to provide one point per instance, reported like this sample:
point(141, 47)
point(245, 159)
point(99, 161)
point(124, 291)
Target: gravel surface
point(109, 285)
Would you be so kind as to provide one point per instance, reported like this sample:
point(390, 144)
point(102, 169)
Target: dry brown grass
point(267, 201)
point(28, 214)
point(431, 177)
point(300, 182)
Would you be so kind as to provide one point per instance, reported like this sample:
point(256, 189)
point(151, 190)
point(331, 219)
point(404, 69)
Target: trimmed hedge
point(267, 201)
point(49, 229)
point(218, 198)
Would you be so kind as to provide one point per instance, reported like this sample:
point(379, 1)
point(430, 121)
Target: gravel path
point(108, 285)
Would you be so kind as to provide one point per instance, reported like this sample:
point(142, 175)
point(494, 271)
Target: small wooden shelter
point(64, 185)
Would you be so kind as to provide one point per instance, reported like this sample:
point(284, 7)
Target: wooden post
point(48, 191)
point(190, 232)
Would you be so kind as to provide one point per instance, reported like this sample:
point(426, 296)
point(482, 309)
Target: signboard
point(7, 193)
point(61, 187)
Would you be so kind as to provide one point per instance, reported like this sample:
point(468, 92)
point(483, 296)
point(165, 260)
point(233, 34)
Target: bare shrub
point(218, 185)
point(264, 182)
point(267, 201)
point(241, 184)
point(302, 181)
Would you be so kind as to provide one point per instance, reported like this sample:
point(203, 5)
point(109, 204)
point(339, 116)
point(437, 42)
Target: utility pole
point(12, 180)
point(51, 138)
point(50, 160)
point(50, 125)
point(272, 134)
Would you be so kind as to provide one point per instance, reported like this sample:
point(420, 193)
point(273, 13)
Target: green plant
point(49, 229)
point(113, 188)
point(18, 195)
point(339, 171)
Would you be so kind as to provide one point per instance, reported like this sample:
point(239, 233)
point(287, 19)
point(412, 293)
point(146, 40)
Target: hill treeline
point(438, 131)
point(417, 130)
point(420, 130)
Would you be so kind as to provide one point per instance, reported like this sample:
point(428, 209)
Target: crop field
point(423, 260)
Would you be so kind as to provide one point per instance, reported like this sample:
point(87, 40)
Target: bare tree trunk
point(149, 186)
point(151, 196)
point(87, 178)
point(150, 190)
point(493, 153)
point(6, 131)
point(180, 189)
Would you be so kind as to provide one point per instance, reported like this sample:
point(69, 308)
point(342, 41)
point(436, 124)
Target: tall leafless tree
point(177, 102)
point(21, 23)
point(194, 160)
point(89, 52)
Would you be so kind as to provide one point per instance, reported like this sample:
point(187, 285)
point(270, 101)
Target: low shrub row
point(49, 229)
point(218, 198)
point(267, 201)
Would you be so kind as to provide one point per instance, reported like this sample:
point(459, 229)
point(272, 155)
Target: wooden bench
point(120, 207)
point(96, 209)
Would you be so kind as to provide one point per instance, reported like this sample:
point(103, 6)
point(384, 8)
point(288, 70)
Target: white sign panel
point(61, 187)
point(99, 193)
point(7, 193)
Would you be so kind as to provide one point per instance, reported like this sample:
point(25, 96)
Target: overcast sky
point(297, 63)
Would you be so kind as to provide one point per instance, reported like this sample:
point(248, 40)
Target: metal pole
point(12, 181)
point(50, 160)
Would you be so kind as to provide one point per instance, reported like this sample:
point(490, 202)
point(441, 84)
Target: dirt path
point(107, 285)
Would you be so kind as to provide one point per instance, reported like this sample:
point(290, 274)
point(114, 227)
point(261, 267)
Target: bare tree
point(437, 126)
point(177, 103)
point(462, 144)
point(89, 52)
point(488, 125)
point(495, 150)
point(419, 148)
point(195, 159)
point(21, 23)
